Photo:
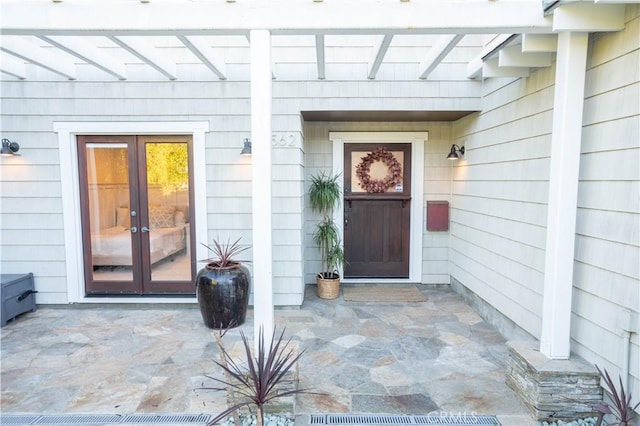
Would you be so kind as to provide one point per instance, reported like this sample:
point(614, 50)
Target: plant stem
point(231, 397)
point(260, 416)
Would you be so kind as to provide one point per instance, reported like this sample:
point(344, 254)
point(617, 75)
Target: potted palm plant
point(223, 286)
point(324, 195)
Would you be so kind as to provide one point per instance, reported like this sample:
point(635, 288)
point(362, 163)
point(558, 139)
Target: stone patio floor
point(436, 356)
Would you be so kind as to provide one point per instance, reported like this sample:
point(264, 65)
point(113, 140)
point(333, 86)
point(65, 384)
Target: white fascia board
point(538, 43)
point(38, 55)
point(588, 17)
point(12, 66)
point(490, 68)
point(512, 56)
point(438, 52)
point(147, 54)
point(320, 56)
point(378, 56)
point(213, 17)
point(198, 47)
point(90, 54)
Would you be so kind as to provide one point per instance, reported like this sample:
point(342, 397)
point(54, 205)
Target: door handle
point(133, 229)
point(145, 229)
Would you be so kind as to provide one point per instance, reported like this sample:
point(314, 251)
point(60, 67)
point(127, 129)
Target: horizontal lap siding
point(500, 190)
point(32, 201)
point(437, 175)
point(606, 274)
point(31, 208)
point(500, 196)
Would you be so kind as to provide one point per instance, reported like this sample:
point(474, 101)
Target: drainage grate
point(105, 419)
point(388, 420)
point(18, 420)
point(78, 419)
point(167, 418)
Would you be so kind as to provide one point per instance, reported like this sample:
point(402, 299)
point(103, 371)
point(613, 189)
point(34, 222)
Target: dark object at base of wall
point(18, 295)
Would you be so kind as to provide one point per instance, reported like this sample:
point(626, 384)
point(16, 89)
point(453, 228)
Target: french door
point(377, 210)
point(137, 224)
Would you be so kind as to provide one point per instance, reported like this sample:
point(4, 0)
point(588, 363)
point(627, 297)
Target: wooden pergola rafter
point(63, 27)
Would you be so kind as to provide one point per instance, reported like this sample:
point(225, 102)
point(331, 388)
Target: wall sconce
point(246, 149)
point(456, 152)
point(9, 148)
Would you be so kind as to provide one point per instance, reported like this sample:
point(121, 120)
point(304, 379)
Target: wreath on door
point(394, 171)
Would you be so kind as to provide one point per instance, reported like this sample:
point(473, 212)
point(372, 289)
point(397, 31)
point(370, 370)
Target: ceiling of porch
point(351, 40)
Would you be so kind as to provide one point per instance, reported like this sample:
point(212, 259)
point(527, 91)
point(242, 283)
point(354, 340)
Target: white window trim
point(417, 141)
point(69, 178)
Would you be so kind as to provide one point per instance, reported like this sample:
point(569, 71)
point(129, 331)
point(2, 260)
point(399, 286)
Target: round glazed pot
point(223, 295)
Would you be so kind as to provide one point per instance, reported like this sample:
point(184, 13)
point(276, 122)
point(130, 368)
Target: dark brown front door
point(135, 195)
point(377, 205)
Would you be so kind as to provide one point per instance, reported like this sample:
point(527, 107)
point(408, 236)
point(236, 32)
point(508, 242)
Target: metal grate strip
point(104, 419)
point(18, 419)
point(167, 418)
point(78, 419)
point(389, 420)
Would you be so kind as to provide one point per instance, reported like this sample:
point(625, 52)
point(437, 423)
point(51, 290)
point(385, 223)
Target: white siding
point(437, 178)
point(606, 272)
point(500, 199)
point(32, 227)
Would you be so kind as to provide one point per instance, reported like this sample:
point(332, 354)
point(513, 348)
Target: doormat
point(383, 294)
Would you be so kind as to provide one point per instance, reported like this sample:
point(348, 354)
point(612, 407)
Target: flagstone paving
point(436, 356)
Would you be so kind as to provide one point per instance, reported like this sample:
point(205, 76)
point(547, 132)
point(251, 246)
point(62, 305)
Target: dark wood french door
point(377, 205)
point(136, 198)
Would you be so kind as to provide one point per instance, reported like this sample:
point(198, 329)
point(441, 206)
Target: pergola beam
point(147, 54)
point(35, 54)
point(437, 53)
point(588, 17)
point(534, 43)
point(378, 56)
point(199, 48)
point(475, 66)
point(512, 56)
point(491, 68)
point(12, 66)
point(210, 18)
point(90, 54)
point(320, 61)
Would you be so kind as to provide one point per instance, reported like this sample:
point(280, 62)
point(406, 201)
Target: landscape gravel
point(580, 422)
point(269, 420)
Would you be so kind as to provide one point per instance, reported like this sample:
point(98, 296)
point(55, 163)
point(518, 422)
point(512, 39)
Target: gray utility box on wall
point(17, 295)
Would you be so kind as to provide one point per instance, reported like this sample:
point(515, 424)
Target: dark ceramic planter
point(223, 295)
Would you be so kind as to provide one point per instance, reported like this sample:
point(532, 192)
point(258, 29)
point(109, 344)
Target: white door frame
point(69, 178)
point(417, 141)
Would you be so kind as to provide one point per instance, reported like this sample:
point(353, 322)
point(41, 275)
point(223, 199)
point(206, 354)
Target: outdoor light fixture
point(9, 148)
point(246, 149)
point(455, 153)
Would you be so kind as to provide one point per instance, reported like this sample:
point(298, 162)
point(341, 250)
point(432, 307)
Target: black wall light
point(246, 149)
point(9, 148)
point(456, 152)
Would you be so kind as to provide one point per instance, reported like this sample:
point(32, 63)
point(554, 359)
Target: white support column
point(261, 183)
point(563, 194)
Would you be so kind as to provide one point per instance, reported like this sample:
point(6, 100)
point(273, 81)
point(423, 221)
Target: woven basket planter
point(328, 288)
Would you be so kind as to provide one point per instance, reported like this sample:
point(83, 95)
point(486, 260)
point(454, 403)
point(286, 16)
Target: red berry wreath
point(394, 172)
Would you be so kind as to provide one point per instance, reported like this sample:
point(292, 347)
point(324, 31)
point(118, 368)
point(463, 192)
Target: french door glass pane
point(167, 169)
point(109, 214)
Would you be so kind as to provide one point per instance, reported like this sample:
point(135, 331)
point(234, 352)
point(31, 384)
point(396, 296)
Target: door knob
point(145, 229)
point(133, 229)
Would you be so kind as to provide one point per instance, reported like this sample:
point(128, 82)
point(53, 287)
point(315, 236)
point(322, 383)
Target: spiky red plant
point(258, 383)
point(621, 409)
